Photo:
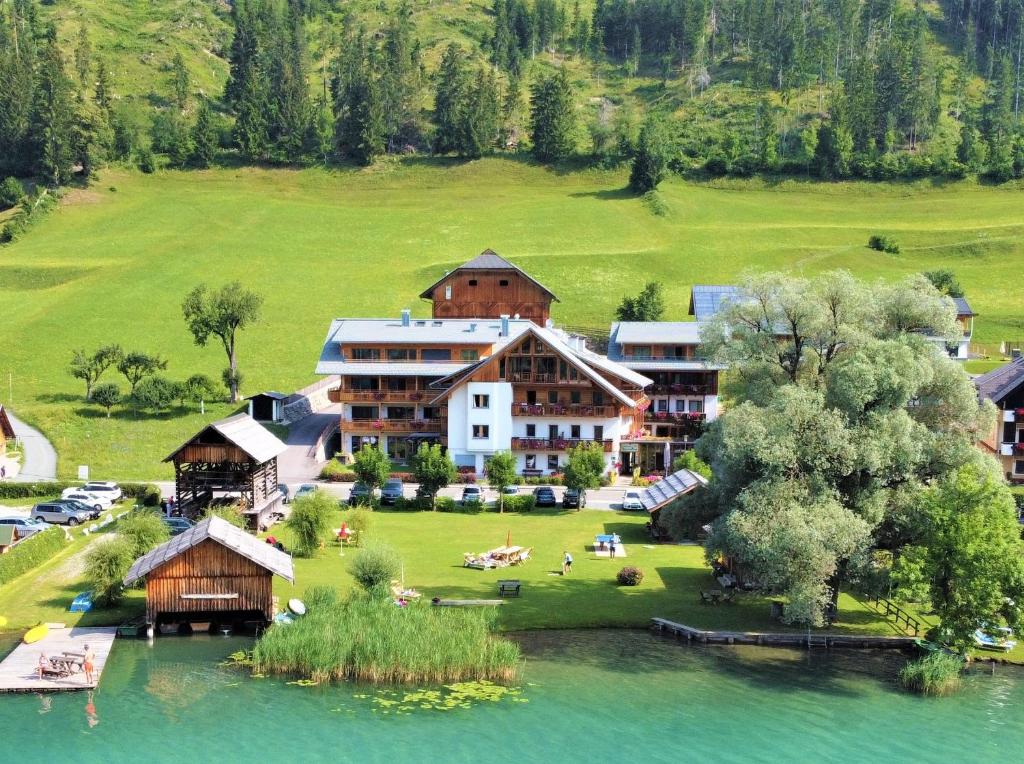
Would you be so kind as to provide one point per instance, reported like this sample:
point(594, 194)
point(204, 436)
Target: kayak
point(36, 633)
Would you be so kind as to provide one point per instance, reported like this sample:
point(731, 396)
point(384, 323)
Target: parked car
point(77, 504)
point(178, 525)
point(511, 490)
point(25, 526)
point(575, 498)
point(391, 492)
point(97, 502)
point(62, 514)
point(632, 501)
point(304, 490)
point(104, 488)
point(544, 496)
point(360, 494)
point(472, 494)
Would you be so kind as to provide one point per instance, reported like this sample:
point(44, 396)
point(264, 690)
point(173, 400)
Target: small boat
point(82, 603)
point(994, 638)
point(297, 606)
point(36, 633)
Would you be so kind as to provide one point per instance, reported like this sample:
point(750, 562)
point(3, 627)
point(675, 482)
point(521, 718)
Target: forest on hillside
point(830, 88)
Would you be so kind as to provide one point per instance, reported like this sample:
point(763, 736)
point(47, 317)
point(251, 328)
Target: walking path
point(18, 670)
point(299, 463)
point(39, 459)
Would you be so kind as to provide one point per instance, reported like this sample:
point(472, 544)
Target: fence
point(898, 614)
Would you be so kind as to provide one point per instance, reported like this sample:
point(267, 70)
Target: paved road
point(39, 460)
point(296, 464)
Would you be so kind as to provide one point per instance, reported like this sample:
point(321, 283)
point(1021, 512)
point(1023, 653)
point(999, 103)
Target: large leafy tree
point(501, 473)
point(585, 466)
point(222, 313)
point(90, 367)
point(136, 366)
point(371, 466)
point(433, 469)
point(845, 413)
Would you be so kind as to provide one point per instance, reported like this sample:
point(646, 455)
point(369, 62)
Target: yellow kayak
point(36, 633)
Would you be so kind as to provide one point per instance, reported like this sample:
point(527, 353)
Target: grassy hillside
point(113, 263)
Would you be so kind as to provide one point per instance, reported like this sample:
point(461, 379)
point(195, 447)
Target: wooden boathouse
point(232, 458)
point(213, 573)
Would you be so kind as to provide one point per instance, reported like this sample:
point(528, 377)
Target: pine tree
point(480, 116)
point(552, 117)
point(204, 137)
point(650, 161)
point(83, 56)
point(449, 99)
point(180, 82)
point(103, 87)
point(52, 115)
point(368, 126)
point(251, 128)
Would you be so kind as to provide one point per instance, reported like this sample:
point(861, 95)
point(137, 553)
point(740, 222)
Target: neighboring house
point(684, 393)
point(267, 407)
point(960, 350)
point(707, 299)
point(6, 430)
point(489, 286)
point(1005, 388)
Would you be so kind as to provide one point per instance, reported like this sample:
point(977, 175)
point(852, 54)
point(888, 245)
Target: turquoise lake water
point(596, 696)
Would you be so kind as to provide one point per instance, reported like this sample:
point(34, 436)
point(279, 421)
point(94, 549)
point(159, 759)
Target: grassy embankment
point(113, 265)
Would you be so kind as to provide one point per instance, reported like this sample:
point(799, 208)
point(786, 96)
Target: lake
point(588, 696)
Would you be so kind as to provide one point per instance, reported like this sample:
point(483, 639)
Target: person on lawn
point(566, 563)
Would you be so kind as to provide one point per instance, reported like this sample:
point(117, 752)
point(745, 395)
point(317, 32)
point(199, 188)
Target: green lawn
point(113, 263)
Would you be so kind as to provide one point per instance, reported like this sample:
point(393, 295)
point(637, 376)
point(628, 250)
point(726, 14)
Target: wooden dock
point(18, 671)
point(792, 639)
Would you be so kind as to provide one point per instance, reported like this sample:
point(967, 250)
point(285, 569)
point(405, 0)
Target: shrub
point(310, 520)
point(318, 597)
point(375, 567)
point(143, 530)
point(884, 244)
point(11, 193)
point(106, 565)
point(445, 504)
point(405, 477)
point(146, 494)
point(360, 521)
point(335, 472)
point(147, 162)
point(31, 553)
point(232, 515)
point(935, 674)
point(522, 503)
point(11, 490)
point(629, 576)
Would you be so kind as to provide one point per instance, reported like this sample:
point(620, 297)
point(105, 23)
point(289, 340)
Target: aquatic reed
point(936, 674)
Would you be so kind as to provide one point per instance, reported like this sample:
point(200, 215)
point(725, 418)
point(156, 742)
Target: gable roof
point(584, 360)
point(6, 428)
point(670, 488)
point(488, 260)
point(963, 308)
point(706, 299)
point(268, 394)
point(999, 383)
point(245, 432)
point(225, 534)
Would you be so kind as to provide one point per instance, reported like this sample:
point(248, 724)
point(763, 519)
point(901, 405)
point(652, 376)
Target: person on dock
point(88, 664)
point(44, 664)
point(566, 563)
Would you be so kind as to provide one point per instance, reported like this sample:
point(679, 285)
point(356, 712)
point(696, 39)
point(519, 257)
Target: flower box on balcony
point(379, 396)
point(1018, 448)
point(378, 425)
point(661, 416)
point(561, 445)
point(675, 388)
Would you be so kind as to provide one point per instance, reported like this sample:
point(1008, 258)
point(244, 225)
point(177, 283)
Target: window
point(401, 354)
point(540, 348)
point(661, 404)
point(574, 432)
point(437, 323)
point(365, 354)
point(481, 431)
point(469, 355)
point(552, 396)
point(531, 431)
point(696, 405)
point(574, 396)
point(448, 292)
point(401, 412)
point(1018, 467)
point(481, 401)
point(553, 462)
point(437, 354)
point(680, 405)
point(396, 384)
point(598, 398)
point(531, 461)
point(503, 282)
point(472, 282)
point(679, 351)
point(364, 412)
point(362, 383)
point(641, 351)
point(598, 432)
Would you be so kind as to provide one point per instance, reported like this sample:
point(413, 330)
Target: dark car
point(575, 498)
point(360, 494)
point(178, 525)
point(391, 492)
point(543, 496)
point(80, 505)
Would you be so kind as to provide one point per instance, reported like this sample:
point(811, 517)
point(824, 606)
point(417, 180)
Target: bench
point(509, 588)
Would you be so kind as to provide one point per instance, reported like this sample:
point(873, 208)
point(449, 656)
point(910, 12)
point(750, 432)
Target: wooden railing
point(555, 444)
point(674, 417)
point(563, 409)
point(395, 425)
point(899, 615)
point(681, 389)
point(344, 395)
point(541, 378)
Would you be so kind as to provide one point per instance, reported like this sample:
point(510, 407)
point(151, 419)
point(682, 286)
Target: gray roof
point(670, 488)
point(963, 308)
point(268, 394)
point(706, 299)
point(656, 332)
point(1001, 382)
point(246, 433)
point(488, 260)
point(225, 534)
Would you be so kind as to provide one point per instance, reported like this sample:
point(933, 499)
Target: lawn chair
point(524, 555)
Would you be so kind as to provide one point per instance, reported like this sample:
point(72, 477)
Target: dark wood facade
point(207, 581)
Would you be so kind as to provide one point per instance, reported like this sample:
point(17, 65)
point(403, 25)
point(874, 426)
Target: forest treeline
point(832, 88)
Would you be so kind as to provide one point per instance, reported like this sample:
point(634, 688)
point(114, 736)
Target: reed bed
point(937, 674)
point(370, 639)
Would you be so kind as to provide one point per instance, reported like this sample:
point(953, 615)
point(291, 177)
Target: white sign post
point(83, 472)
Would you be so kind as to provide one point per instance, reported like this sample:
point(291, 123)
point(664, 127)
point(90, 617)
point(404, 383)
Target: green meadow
point(114, 262)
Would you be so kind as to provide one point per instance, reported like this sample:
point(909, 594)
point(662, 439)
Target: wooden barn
point(233, 458)
point(213, 573)
point(6, 430)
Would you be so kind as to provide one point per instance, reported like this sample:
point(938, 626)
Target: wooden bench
point(509, 588)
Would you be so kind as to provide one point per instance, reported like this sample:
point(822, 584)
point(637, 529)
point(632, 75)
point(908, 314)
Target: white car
point(104, 488)
point(26, 526)
point(632, 501)
point(97, 502)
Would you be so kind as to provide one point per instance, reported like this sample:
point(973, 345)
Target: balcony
point(555, 444)
point(394, 425)
point(344, 395)
point(541, 378)
point(560, 409)
point(678, 417)
point(679, 389)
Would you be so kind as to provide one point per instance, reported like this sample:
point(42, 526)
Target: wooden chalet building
point(1005, 388)
point(6, 430)
point(213, 573)
point(489, 286)
point(232, 458)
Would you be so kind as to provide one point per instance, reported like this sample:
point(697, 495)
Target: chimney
point(504, 325)
point(406, 317)
point(472, 327)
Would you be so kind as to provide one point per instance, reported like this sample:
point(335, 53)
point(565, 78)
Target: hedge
point(10, 490)
point(146, 494)
point(520, 503)
point(30, 553)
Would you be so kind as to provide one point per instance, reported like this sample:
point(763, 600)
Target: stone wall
point(308, 400)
